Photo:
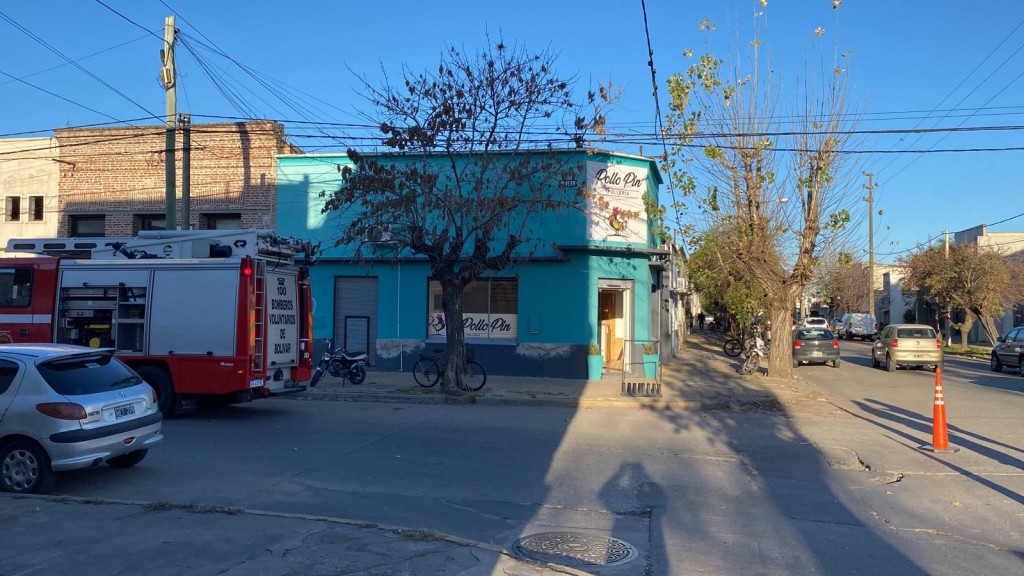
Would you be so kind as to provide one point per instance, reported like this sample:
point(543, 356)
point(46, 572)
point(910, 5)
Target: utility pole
point(871, 244)
point(186, 171)
point(949, 308)
point(167, 73)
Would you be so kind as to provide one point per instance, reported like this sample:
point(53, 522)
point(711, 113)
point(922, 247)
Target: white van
point(858, 325)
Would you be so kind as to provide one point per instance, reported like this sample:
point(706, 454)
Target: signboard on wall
point(476, 325)
point(615, 206)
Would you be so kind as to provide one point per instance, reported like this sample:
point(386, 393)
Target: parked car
point(858, 325)
point(815, 345)
point(64, 407)
point(1009, 351)
point(814, 322)
point(907, 345)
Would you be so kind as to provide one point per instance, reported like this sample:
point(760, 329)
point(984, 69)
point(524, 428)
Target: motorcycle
point(339, 363)
point(754, 353)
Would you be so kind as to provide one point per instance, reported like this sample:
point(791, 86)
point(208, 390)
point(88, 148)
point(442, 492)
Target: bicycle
point(428, 370)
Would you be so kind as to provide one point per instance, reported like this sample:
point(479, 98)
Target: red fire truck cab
point(224, 314)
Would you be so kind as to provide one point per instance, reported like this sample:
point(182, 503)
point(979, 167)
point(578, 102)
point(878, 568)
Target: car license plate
point(816, 354)
point(918, 355)
point(256, 383)
point(122, 411)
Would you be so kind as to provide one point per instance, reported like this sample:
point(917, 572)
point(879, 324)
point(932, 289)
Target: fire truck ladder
point(260, 310)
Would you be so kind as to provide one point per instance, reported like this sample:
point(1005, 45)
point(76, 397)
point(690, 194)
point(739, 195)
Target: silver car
point(64, 407)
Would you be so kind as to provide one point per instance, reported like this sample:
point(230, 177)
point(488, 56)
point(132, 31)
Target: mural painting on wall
point(475, 325)
point(615, 204)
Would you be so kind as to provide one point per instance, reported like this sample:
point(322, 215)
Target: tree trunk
point(451, 301)
point(988, 324)
point(965, 328)
point(780, 358)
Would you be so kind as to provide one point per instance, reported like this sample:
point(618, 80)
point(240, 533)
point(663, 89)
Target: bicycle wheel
point(732, 347)
point(426, 372)
point(475, 376)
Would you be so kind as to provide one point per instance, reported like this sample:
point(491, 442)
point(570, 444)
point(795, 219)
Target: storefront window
point(490, 309)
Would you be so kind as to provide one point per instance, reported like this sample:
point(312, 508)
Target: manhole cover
point(574, 549)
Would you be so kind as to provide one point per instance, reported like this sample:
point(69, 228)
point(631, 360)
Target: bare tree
point(477, 149)
point(780, 187)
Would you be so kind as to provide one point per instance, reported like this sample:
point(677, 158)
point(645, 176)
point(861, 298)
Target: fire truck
point(220, 314)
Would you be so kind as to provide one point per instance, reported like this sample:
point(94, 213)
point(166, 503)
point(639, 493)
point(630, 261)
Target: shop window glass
point(490, 309)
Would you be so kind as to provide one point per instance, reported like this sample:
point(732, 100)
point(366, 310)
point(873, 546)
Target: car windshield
point(915, 333)
point(87, 374)
point(814, 334)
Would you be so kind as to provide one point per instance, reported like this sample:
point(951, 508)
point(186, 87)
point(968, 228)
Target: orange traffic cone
point(940, 437)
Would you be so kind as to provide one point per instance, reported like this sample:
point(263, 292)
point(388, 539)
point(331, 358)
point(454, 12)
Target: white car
point(814, 322)
point(65, 407)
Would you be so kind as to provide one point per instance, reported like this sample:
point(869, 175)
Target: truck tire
point(166, 399)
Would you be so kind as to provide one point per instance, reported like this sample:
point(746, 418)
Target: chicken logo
point(618, 220)
point(436, 323)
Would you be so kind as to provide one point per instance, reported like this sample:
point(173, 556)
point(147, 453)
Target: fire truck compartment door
point(194, 312)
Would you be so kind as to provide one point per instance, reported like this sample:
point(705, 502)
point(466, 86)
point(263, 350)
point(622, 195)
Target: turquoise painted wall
point(558, 300)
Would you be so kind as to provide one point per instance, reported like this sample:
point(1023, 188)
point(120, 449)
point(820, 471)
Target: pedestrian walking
point(700, 320)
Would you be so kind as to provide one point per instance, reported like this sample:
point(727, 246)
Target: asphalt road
point(833, 481)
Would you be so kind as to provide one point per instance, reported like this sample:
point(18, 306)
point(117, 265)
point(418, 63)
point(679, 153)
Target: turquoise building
point(597, 279)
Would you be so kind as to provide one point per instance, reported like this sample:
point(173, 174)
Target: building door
point(615, 321)
point(355, 314)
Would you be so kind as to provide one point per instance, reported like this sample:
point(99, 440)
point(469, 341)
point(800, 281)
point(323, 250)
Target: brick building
point(112, 179)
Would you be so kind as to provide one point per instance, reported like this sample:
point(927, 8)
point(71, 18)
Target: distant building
point(112, 179)
point(28, 186)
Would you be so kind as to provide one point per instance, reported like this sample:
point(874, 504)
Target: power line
point(43, 43)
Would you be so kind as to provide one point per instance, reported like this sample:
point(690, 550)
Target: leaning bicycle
point(428, 370)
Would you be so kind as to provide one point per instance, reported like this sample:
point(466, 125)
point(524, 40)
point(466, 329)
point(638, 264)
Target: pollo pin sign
point(615, 204)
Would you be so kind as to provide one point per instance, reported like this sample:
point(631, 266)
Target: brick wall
point(120, 172)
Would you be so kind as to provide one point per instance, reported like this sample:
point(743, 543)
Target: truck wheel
point(128, 460)
point(25, 468)
point(158, 378)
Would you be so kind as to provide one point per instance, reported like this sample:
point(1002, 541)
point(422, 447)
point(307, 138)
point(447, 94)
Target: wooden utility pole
point(167, 73)
point(871, 244)
point(186, 171)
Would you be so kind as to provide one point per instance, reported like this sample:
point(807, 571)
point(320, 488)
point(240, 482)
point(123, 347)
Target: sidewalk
point(700, 378)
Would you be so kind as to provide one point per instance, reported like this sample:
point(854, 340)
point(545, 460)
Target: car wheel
point(874, 361)
point(25, 468)
point(835, 363)
point(127, 460)
point(995, 364)
point(889, 364)
point(158, 378)
point(1020, 366)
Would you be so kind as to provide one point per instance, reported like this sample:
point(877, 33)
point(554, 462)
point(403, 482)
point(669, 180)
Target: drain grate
point(574, 549)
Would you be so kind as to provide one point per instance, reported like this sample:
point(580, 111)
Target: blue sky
point(913, 64)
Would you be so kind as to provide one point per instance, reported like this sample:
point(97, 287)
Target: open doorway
point(615, 321)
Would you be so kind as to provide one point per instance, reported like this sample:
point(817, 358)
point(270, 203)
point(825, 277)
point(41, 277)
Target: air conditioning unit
point(378, 235)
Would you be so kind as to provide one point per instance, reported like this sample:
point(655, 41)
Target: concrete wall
point(29, 168)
